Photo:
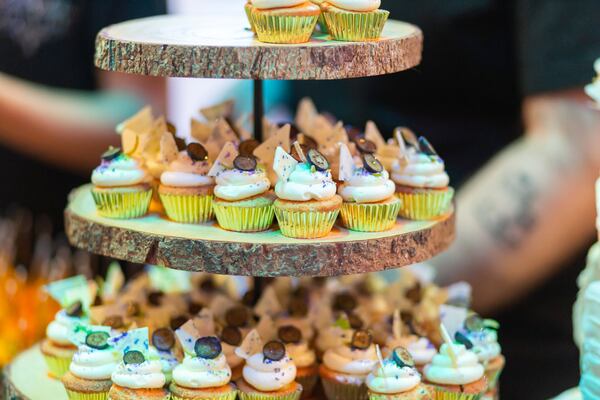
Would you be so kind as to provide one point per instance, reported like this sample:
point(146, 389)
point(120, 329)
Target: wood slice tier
point(219, 45)
point(155, 240)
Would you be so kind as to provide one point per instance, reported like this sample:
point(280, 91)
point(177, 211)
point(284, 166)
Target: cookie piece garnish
point(289, 334)
point(114, 321)
point(402, 358)
point(344, 302)
point(247, 147)
point(317, 159)
point(361, 340)
point(111, 154)
point(178, 321)
point(134, 357)
point(297, 156)
point(366, 146)
point(372, 164)
point(231, 335)
point(245, 163)
point(274, 350)
point(410, 138)
point(474, 323)
point(308, 142)
point(155, 298)
point(75, 309)
point(97, 340)
point(463, 339)
point(426, 147)
point(197, 152)
point(163, 339)
point(237, 316)
point(208, 347)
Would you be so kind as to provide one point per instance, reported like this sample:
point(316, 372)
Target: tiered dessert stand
point(217, 45)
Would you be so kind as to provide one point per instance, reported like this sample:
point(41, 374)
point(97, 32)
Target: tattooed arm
point(532, 207)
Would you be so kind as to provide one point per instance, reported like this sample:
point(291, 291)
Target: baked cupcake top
point(397, 374)
point(207, 368)
point(303, 180)
point(189, 169)
point(357, 358)
point(419, 165)
point(356, 5)
point(96, 358)
point(118, 169)
point(593, 89)
point(296, 346)
point(446, 370)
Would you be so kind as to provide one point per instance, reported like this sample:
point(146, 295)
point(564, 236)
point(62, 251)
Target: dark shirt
point(51, 42)
point(481, 58)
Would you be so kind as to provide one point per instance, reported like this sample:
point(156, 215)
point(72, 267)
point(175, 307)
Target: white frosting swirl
point(184, 172)
point(485, 344)
point(421, 349)
point(302, 355)
point(443, 371)
point(168, 360)
point(365, 187)
point(351, 361)
point(234, 184)
point(89, 363)
point(267, 375)
point(421, 171)
point(232, 359)
point(198, 373)
point(391, 378)
point(593, 89)
point(121, 171)
point(357, 5)
point(266, 4)
point(58, 330)
point(305, 184)
point(147, 375)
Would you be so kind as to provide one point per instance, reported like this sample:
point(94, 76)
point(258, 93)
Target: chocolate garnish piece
point(344, 302)
point(75, 309)
point(111, 154)
point(249, 298)
point(366, 146)
point(245, 163)
point(97, 340)
point(194, 308)
point(289, 334)
point(361, 340)
point(114, 321)
point(355, 321)
point(406, 316)
point(155, 298)
point(474, 323)
point(171, 128)
point(354, 134)
point(274, 350)
point(402, 358)
point(163, 339)
point(231, 335)
point(247, 147)
point(134, 357)
point(178, 321)
point(317, 159)
point(197, 152)
point(208, 285)
point(414, 293)
point(298, 307)
point(237, 316)
point(426, 147)
point(464, 340)
point(208, 347)
point(97, 300)
point(372, 164)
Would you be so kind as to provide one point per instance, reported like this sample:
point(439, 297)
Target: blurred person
point(500, 95)
point(57, 112)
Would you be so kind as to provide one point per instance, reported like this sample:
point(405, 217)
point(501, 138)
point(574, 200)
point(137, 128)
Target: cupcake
point(368, 193)
point(204, 375)
point(305, 359)
point(137, 376)
point(354, 21)
point(284, 21)
point(345, 368)
point(90, 371)
point(185, 189)
point(307, 204)
point(396, 378)
point(421, 179)
point(121, 188)
point(163, 349)
point(243, 202)
point(456, 373)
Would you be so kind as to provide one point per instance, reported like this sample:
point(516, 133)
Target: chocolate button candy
point(197, 152)
point(289, 334)
point(155, 298)
point(355, 321)
point(194, 308)
point(134, 357)
point(426, 147)
point(75, 309)
point(163, 339)
point(318, 160)
point(177, 321)
point(366, 146)
point(111, 153)
point(462, 339)
point(402, 358)
point(245, 163)
point(474, 323)
point(274, 350)
point(247, 147)
point(208, 347)
point(372, 164)
point(97, 340)
point(361, 340)
point(114, 321)
point(344, 302)
point(208, 285)
point(237, 316)
point(354, 134)
point(231, 335)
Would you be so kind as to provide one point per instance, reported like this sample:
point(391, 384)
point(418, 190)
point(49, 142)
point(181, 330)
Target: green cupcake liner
point(270, 395)
point(443, 394)
point(355, 26)
point(244, 219)
point(422, 392)
point(370, 217)
point(305, 224)
point(217, 396)
point(57, 366)
point(188, 209)
point(72, 395)
point(335, 390)
point(425, 205)
point(119, 204)
point(321, 24)
point(283, 29)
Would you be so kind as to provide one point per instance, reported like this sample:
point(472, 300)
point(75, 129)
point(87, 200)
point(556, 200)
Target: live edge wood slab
point(218, 44)
point(155, 240)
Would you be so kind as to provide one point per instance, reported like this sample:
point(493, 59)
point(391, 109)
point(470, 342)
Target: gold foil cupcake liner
point(270, 395)
point(305, 224)
point(248, 9)
point(122, 204)
point(321, 24)
point(57, 366)
point(423, 392)
point(188, 209)
point(355, 26)
point(283, 29)
point(232, 395)
point(425, 205)
point(72, 395)
point(370, 217)
point(443, 394)
point(335, 390)
point(244, 219)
